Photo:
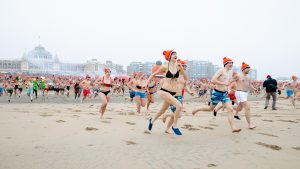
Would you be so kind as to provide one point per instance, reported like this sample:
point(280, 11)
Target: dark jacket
point(270, 85)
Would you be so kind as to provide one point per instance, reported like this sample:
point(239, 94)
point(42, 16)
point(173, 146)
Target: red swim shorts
point(86, 92)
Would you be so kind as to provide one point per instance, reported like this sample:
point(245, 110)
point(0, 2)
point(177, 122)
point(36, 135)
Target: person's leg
point(138, 103)
point(267, 100)
point(171, 121)
point(231, 117)
point(143, 102)
point(274, 101)
point(104, 102)
point(217, 108)
point(162, 110)
point(248, 115)
point(149, 100)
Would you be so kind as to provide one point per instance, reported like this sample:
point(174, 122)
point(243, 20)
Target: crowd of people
point(169, 81)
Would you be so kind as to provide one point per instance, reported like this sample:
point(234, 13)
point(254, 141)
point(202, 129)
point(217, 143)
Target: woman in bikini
point(138, 85)
point(168, 88)
point(106, 83)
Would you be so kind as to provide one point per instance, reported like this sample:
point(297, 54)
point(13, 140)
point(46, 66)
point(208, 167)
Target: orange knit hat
point(226, 61)
point(168, 54)
point(245, 66)
point(106, 70)
point(182, 62)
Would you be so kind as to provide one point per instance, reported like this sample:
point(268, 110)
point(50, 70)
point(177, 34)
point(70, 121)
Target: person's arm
point(182, 71)
point(129, 84)
point(251, 86)
point(160, 70)
point(188, 90)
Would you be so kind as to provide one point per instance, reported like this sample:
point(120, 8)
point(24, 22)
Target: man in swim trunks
point(244, 85)
point(86, 85)
point(219, 94)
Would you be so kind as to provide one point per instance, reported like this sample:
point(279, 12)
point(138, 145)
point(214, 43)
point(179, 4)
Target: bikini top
point(106, 84)
point(139, 87)
point(171, 75)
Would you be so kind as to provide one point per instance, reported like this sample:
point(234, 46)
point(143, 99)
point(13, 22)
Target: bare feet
point(236, 130)
point(101, 115)
point(167, 132)
point(252, 126)
point(194, 112)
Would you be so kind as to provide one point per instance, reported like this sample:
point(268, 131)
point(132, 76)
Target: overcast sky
point(263, 33)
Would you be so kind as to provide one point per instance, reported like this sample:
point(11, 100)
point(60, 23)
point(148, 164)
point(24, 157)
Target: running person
point(244, 85)
point(182, 86)
point(29, 85)
point(138, 85)
point(35, 87)
point(106, 83)
point(77, 89)
point(169, 88)
point(9, 87)
point(86, 85)
point(219, 94)
point(231, 95)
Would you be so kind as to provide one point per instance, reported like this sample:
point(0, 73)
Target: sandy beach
point(63, 134)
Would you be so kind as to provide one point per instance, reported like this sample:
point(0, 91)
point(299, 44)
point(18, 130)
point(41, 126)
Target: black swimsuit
point(172, 76)
point(105, 92)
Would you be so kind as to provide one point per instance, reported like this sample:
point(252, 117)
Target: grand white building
point(40, 61)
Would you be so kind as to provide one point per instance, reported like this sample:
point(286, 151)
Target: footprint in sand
point(76, 110)
point(187, 126)
point(104, 121)
point(130, 123)
point(46, 115)
point(289, 121)
point(130, 142)
point(90, 129)
point(215, 125)
point(109, 118)
point(266, 134)
point(18, 155)
point(296, 148)
point(273, 147)
point(38, 147)
point(92, 114)
point(147, 132)
point(124, 114)
point(60, 121)
point(208, 128)
point(131, 113)
point(90, 145)
point(267, 120)
point(193, 129)
point(211, 165)
point(75, 116)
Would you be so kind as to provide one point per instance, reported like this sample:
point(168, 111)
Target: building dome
point(39, 53)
